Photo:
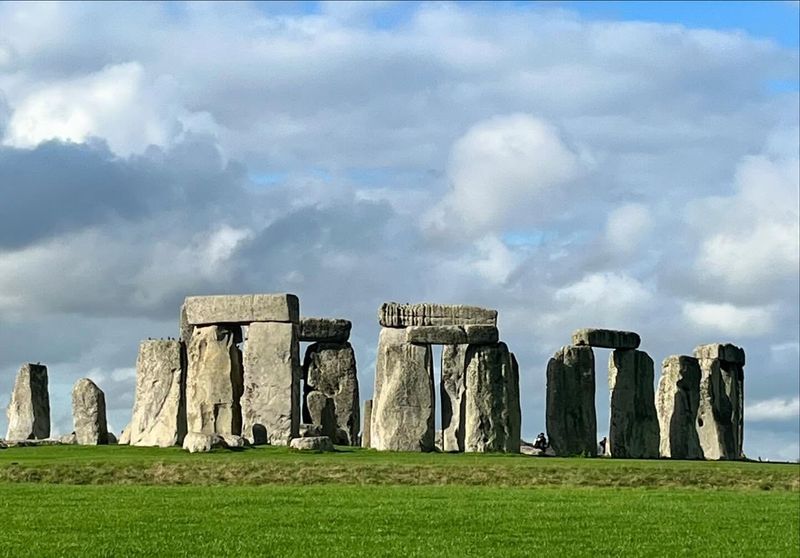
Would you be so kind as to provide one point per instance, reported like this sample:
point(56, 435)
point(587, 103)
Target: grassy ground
point(122, 501)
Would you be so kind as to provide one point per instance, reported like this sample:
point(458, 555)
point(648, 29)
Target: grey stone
point(453, 397)
point(479, 334)
point(403, 403)
point(606, 338)
point(213, 382)
point(438, 334)
point(199, 442)
point(89, 413)
point(319, 443)
point(393, 314)
point(68, 439)
point(232, 441)
point(271, 401)
point(185, 327)
point(720, 416)
point(725, 352)
point(111, 439)
point(486, 409)
point(438, 441)
point(159, 414)
point(633, 431)
point(125, 436)
point(365, 431)
point(242, 309)
point(677, 403)
point(310, 430)
point(29, 410)
point(570, 416)
point(514, 428)
point(325, 330)
point(319, 409)
point(330, 368)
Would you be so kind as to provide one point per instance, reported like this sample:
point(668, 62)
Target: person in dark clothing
point(540, 442)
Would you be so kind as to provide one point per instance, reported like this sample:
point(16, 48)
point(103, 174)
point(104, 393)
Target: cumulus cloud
point(727, 319)
point(773, 409)
point(628, 226)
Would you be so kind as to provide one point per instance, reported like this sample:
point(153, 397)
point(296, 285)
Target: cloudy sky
point(617, 165)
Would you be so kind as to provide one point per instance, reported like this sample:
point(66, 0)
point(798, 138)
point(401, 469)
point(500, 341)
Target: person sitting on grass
point(541, 442)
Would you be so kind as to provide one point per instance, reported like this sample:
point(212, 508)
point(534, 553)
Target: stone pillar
point(320, 410)
point(271, 401)
point(89, 413)
point(29, 410)
point(633, 430)
point(677, 402)
point(453, 397)
point(330, 369)
point(365, 432)
point(486, 419)
point(159, 408)
point(570, 417)
point(214, 382)
point(404, 404)
point(514, 432)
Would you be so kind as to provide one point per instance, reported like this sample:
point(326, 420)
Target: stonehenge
point(677, 403)
point(571, 420)
point(89, 413)
point(29, 410)
point(633, 427)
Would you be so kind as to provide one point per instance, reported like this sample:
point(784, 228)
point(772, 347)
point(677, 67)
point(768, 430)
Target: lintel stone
point(606, 338)
point(393, 314)
point(325, 330)
point(242, 309)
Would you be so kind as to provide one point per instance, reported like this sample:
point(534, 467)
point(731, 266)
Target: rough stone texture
point(310, 430)
point(232, 441)
point(514, 428)
point(453, 397)
point(242, 309)
point(185, 327)
point(331, 370)
point(89, 413)
point(199, 442)
point(365, 432)
point(486, 410)
point(403, 404)
point(479, 334)
point(720, 416)
point(606, 338)
point(69, 439)
point(159, 413)
point(726, 352)
point(393, 314)
point(325, 330)
point(271, 400)
point(677, 402)
point(319, 443)
point(213, 382)
point(570, 416)
point(111, 439)
point(438, 334)
point(125, 436)
point(633, 430)
point(29, 410)
point(319, 409)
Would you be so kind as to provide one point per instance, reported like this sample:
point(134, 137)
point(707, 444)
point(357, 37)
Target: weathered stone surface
point(514, 428)
point(606, 338)
point(486, 409)
point(677, 402)
point(29, 410)
point(439, 441)
point(232, 441)
point(365, 431)
point(570, 416)
point(111, 439)
point(437, 334)
point(393, 314)
point(159, 414)
point(310, 430)
point(330, 369)
point(185, 327)
point(325, 330)
point(453, 397)
point(271, 401)
point(198, 442)
point(320, 409)
point(721, 410)
point(633, 431)
point(726, 352)
point(403, 404)
point(242, 309)
point(89, 413)
point(125, 436)
point(68, 439)
point(213, 382)
point(319, 443)
point(480, 334)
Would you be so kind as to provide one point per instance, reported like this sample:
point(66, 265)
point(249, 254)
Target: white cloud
point(773, 409)
point(728, 319)
point(628, 226)
point(609, 290)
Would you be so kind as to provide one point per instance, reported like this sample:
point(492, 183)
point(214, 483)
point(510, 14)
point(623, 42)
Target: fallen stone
point(242, 309)
point(633, 431)
point(232, 441)
point(403, 404)
point(319, 409)
point(89, 413)
point(319, 443)
point(331, 370)
point(725, 352)
point(453, 397)
point(159, 414)
point(68, 439)
point(325, 330)
point(479, 334)
point(198, 442)
point(486, 409)
point(392, 314)
point(365, 431)
point(310, 430)
point(441, 335)
point(29, 410)
point(271, 400)
point(606, 338)
point(677, 403)
point(570, 414)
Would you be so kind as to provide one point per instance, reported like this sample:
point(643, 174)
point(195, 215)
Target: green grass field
point(123, 501)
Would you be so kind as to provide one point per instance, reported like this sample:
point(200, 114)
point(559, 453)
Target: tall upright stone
point(159, 408)
point(453, 397)
point(89, 413)
point(271, 401)
point(486, 419)
point(366, 441)
point(320, 410)
point(570, 416)
point(403, 404)
point(514, 431)
point(29, 410)
point(330, 369)
point(214, 382)
point(677, 402)
point(633, 431)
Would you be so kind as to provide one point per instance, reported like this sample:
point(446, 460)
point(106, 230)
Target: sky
point(611, 164)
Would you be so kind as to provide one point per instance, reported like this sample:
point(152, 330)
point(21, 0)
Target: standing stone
point(633, 430)
point(159, 412)
point(453, 397)
point(331, 370)
point(514, 431)
point(404, 404)
point(29, 410)
point(271, 401)
point(570, 417)
point(365, 432)
point(213, 382)
point(320, 410)
point(89, 413)
point(486, 418)
point(677, 402)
